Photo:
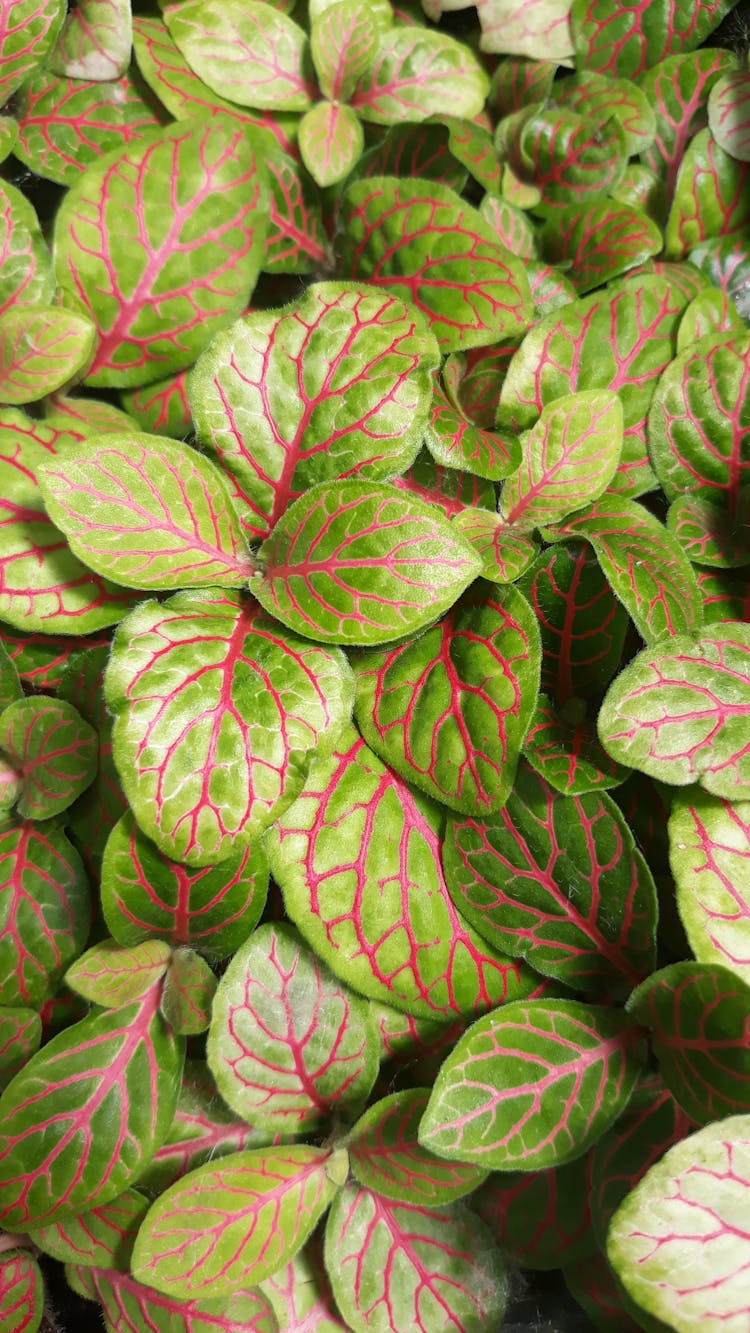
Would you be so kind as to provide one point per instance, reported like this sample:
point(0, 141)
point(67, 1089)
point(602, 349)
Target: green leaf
point(570, 457)
point(40, 350)
point(728, 114)
point(565, 750)
point(110, 976)
point(218, 714)
point(86, 1114)
point(395, 1266)
point(358, 860)
point(148, 512)
point(419, 240)
point(712, 312)
point(532, 1085)
point(625, 41)
point(678, 88)
point(301, 1292)
point(601, 96)
point(331, 140)
point(680, 714)
point(52, 751)
point(679, 1242)
point(130, 1307)
point(229, 1225)
point(386, 1156)
point(289, 1043)
point(697, 1016)
point(359, 563)
point(100, 1238)
point(540, 1219)
point(339, 383)
point(540, 30)
point(644, 565)
point(45, 911)
point(450, 711)
point(25, 262)
point(506, 553)
point(158, 281)
point(597, 242)
point(144, 895)
point(188, 994)
point(711, 197)
point(557, 880)
point(20, 1036)
point(407, 79)
point(343, 40)
point(246, 51)
point(22, 1305)
point(95, 41)
point(29, 30)
point(709, 853)
point(707, 533)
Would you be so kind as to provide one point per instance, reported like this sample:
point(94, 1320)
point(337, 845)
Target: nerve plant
point(375, 663)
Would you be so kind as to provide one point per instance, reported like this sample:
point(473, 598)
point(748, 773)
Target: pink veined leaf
point(678, 88)
point(593, 1285)
point(210, 908)
point(331, 140)
point(185, 96)
point(289, 1044)
point(450, 711)
point(395, 1266)
point(540, 1219)
point(95, 41)
point(188, 994)
point(707, 533)
point(472, 145)
point(625, 41)
point(478, 378)
point(160, 289)
point(419, 1044)
point(20, 1036)
point(82, 417)
point(87, 1113)
point(362, 364)
point(110, 976)
point(447, 488)
point(28, 30)
point(45, 909)
point(517, 82)
point(296, 241)
point(711, 198)
point(592, 927)
point(600, 95)
point(549, 288)
point(724, 596)
point(421, 241)
point(161, 408)
point(21, 1292)
point(538, 29)
point(25, 265)
point(243, 696)
point(725, 263)
point(414, 151)
point(131, 1307)
point(650, 1124)
point(66, 125)
point(729, 114)
point(229, 1224)
point(511, 225)
point(697, 1016)
point(101, 1237)
point(202, 1130)
point(598, 243)
point(52, 750)
point(343, 41)
point(679, 712)
point(568, 753)
point(41, 349)
point(571, 159)
point(455, 441)
point(709, 852)
point(533, 1085)
point(301, 1297)
point(148, 512)
point(505, 553)
point(407, 76)
point(375, 907)
point(712, 311)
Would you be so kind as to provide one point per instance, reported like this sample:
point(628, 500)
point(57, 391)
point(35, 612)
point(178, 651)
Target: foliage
point(374, 662)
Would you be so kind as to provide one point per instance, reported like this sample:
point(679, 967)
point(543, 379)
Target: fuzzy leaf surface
point(100, 1238)
point(217, 715)
point(288, 1042)
point(21, 1293)
point(188, 994)
point(358, 563)
point(358, 861)
point(540, 1219)
point(419, 240)
point(246, 51)
point(338, 384)
point(532, 1085)
point(709, 853)
point(331, 140)
point(680, 714)
point(52, 750)
point(41, 349)
point(505, 553)
point(598, 242)
point(450, 711)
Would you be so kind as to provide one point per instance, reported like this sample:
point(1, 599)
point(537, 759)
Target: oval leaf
point(110, 976)
point(53, 752)
point(406, 80)
point(246, 51)
point(331, 140)
point(40, 350)
point(709, 853)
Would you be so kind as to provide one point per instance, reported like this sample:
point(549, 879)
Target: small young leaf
point(697, 1014)
point(331, 140)
point(147, 512)
point(419, 240)
point(218, 713)
point(558, 881)
point(358, 861)
point(532, 1085)
point(457, 442)
point(597, 242)
point(709, 853)
point(53, 752)
point(565, 750)
point(95, 41)
point(337, 384)
point(358, 563)
point(188, 994)
point(450, 711)
point(86, 1114)
point(40, 350)
point(288, 1042)
point(570, 457)
point(679, 1241)
point(408, 75)
point(396, 1266)
point(506, 554)
point(680, 714)
point(246, 51)
point(569, 159)
point(343, 40)
point(386, 1156)
point(110, 976)
point(21, 1293)
point(228, 1225)
point(144, 895)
